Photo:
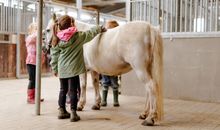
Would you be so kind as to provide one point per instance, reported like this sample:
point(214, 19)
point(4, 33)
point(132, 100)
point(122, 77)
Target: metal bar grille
point(180, 15)
point(172, 15)
point(9, 19)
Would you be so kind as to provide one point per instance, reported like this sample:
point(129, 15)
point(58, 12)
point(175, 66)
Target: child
point(110, 80)
point(67, 61)
point(31, 61)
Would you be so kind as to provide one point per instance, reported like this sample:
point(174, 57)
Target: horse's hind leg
point(150, 107)
point(151, 104)
point(145, 113)
point(82, 99)
point(95, 82)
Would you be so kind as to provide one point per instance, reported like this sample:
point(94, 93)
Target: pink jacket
point(31, 41)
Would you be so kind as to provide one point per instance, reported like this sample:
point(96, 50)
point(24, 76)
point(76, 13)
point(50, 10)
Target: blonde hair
point(111, 24)
point(32, 28)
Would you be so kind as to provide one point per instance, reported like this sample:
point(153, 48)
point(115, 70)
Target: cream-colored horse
point(135, 45)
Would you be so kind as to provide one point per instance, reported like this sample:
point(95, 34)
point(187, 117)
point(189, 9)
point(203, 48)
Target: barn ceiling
point(114, 7)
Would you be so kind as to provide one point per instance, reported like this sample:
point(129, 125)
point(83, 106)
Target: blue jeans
point(110, 81)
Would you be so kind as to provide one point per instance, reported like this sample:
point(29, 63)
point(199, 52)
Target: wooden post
point(97, 17)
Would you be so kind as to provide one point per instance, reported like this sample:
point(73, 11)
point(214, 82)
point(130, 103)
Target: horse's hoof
point(142, 117)
point(79, 108)
point(95, 107)
point(148, 122)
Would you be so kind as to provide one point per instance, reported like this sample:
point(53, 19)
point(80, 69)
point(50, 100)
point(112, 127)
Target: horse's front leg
point(82, 99)
point(95, 82)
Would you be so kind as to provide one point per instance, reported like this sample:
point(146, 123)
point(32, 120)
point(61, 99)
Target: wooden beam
point(103, 2)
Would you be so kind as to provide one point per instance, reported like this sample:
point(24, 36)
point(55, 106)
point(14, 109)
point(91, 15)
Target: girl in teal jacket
point(67, 61)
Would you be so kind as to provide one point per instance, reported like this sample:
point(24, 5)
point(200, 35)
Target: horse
point(136, 45)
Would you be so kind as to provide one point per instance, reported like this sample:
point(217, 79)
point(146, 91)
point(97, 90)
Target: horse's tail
point(157, 69)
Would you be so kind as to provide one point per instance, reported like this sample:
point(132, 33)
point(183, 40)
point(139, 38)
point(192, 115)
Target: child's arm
point(31, 39)
point(54, 52)
point(90, 34)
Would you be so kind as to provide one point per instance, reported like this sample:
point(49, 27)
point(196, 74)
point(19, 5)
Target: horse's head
point(49, 32)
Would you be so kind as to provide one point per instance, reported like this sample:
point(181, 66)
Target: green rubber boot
point(104, 98)
point(115, 97)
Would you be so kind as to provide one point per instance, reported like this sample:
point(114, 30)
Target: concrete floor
point(16, 114)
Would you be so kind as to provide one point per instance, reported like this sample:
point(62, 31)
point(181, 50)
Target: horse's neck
point(81, 26)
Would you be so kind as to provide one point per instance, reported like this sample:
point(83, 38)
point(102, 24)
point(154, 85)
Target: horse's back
point(113, 51)
point(134, 30)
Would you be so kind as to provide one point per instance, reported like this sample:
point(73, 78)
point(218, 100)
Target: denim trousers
point(72, 87)
point(110, 81)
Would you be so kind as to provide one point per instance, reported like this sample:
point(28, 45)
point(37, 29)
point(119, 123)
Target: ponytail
point(62, 23)
point(55, 39)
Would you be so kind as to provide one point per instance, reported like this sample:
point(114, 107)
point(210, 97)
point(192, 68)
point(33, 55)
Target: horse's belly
point(105, 64)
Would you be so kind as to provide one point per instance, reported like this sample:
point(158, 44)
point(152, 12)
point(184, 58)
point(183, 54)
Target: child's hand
point(55, 74)
point(103, 29)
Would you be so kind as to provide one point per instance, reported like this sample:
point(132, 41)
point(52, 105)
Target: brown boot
point(74, 117)
point(63, 114)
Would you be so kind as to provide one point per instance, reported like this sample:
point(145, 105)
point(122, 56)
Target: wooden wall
point(8, 59)
point(23, 53)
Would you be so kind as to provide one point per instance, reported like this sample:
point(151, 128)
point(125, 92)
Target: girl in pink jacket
point(31, 61)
